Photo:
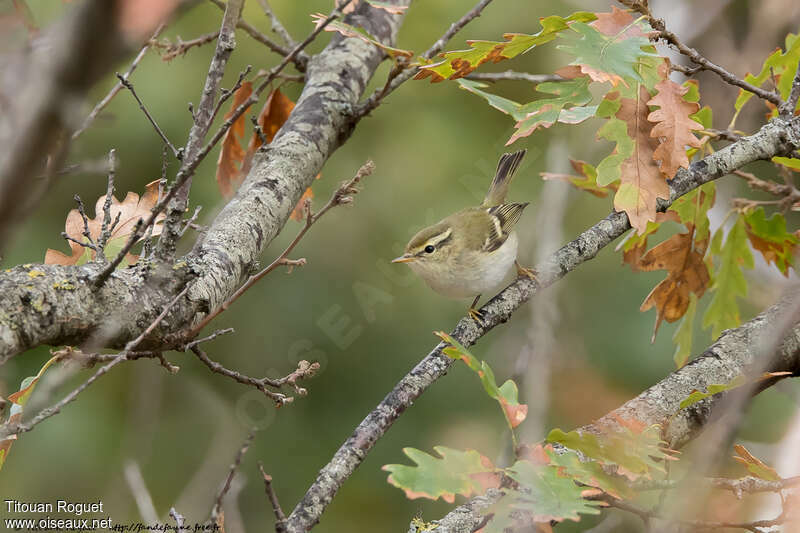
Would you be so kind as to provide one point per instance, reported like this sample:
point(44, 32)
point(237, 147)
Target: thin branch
point(44, 414)
point(260, 384)
point(342, 195)
point(128, 85)
point(180, 47)
point(277, 27)
point(208, 338)
point(215, 511)
point(300, 60)
point(180, 521)
point(694, 55)
point(191, 222)
point(280, 517)
point(227, 93)
point(513, 76)
point(738, 487)
point(118, 86)
point(648, 515)
point(138, 230)
point(82, 212)
point(403, 72)
point(107, 228)
point(203, 116)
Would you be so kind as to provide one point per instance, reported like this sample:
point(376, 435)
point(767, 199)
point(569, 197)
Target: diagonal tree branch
point(319, 124)
point(779, 136)
point(737, 352)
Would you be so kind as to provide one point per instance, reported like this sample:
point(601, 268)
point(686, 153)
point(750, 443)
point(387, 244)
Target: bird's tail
point(505, 171)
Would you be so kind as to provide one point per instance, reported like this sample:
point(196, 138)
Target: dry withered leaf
point(641, 183)
point(130, 210)
point(673, 126)
point(231, 155)
point(618, 23)
point(275, 112)
point(682, 257)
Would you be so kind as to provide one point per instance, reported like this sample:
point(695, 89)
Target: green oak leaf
point(546, 495)
point(459, 63)
point(606, 58)
point(454, 472)
point(769, 236)
point(684, 333)
point(729, 282)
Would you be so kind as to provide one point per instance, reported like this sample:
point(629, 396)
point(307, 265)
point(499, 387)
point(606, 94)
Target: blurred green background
point(435, 148)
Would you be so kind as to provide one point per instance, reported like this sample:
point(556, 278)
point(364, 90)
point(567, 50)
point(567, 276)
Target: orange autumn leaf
point(641, 182)
point(673, 125)
point(231, 155)
point(298, 213)
point(619, 23)
point(682, 257)
point(275, 112)
point(130, 210)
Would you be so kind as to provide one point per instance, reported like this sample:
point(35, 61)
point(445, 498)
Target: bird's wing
point(503, 217)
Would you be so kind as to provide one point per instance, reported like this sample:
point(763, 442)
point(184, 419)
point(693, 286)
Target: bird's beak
point(405, 258)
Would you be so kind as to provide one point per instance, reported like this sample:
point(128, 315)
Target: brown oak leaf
point(130, 210)
point(682, 257)
point(673, 126)
point(641, 183)
point(231, 155)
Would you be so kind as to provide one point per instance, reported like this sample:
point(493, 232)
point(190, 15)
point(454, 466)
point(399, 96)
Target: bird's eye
point(429, 249)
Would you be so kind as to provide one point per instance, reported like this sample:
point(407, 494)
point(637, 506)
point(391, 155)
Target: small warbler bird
point(471, 251)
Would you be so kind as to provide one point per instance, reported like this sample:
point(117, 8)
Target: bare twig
point(647, 516)
point(44, 414)
point(227, 93)
point(280, 517)
point(694, 55)
point(231, 472)
point(180, 521)
point(343, 195)
point(203, 117)
point(107, 228)
point(277, 27)
point(191, 222)
point(514, 76)
point(748, 484)
point(208, 338)
point(257, 130)
point(788, 195)
point(300, 59)
point(128, 85)
point(180, 47)
point(82, 212)
point(138, 229)
point(260, 384)
point(118, 86)
point(403, 72)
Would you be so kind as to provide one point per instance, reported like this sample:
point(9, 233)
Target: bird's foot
point(527, 272)
point(476, 315)
point(473, 311)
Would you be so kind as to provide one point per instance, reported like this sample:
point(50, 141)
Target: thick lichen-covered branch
point(47, 304)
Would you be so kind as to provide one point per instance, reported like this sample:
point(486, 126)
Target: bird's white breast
point(474, 272)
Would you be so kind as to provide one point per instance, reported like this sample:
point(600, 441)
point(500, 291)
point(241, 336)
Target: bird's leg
point(527, 272)
point(473, 311)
